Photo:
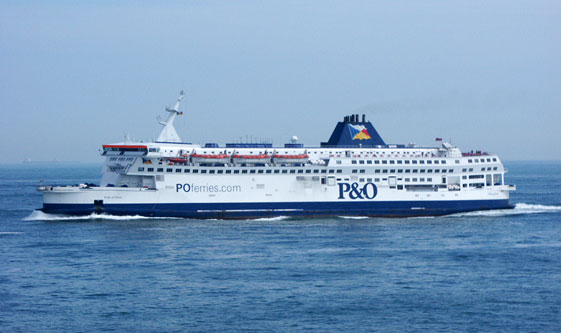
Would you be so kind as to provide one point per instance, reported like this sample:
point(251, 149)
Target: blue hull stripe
point(270, 209)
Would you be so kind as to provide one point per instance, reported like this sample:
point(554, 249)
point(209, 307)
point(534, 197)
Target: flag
point(438, 139)
point(146, 161)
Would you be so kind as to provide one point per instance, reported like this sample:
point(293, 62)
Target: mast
point(168, 133)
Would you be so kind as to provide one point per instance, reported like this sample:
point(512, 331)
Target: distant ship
point(354, 173)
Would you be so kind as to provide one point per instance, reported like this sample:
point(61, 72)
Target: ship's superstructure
point(354, 173)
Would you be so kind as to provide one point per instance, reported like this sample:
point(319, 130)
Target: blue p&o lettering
point(343, 188)
point(184, 187)
point(367, 191)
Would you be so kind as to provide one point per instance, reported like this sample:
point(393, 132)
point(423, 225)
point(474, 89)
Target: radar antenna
point(168, 133)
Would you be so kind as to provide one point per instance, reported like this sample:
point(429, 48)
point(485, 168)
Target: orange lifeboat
point(178, 160)
point(291, 158)
point(251, 159)
point(210, 158)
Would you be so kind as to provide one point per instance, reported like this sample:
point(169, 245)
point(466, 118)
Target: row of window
point(396, 161)
point(482, 160)
point(293, 171)
point(121, 159)
point(405, 170)
point(243, 171)
point(482, 169)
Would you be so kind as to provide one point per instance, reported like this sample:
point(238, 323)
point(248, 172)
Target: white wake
point(38, 215)
point(519, 209)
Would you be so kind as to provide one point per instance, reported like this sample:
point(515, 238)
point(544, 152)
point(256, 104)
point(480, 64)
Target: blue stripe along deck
point(271, 209)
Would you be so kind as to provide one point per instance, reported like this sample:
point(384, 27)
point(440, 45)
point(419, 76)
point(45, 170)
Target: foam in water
point(519, 209)
point(38, 215)
point(276, 218)
point(353, 217)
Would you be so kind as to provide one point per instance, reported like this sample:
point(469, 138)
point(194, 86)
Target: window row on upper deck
point(482, 160)
point(396, 161)
point(300, 170)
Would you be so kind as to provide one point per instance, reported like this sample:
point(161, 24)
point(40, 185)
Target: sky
point(75, 75)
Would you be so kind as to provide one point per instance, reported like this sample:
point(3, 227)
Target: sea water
point(479, 271)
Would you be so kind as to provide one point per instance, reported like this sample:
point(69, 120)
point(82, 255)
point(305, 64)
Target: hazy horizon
point(76, 76)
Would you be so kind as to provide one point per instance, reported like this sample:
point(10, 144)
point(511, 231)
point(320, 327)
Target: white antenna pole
point(168, 133)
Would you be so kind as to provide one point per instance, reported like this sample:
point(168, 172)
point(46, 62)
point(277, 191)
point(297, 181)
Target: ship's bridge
point(124, 149)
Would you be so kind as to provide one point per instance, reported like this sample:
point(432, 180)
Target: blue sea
point(480, 271)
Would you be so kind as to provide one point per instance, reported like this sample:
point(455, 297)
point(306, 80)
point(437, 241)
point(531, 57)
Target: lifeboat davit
point(210, 158)
point(293, 158)
point(251, 159)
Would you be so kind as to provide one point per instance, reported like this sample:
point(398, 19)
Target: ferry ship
point(354, 173)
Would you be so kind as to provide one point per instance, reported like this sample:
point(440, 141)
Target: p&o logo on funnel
point(359, 132)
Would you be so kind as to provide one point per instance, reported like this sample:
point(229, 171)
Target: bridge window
point(160, 169)
point(203, 170)
point(177, 170)
point(150, 169)
point(140, 169)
